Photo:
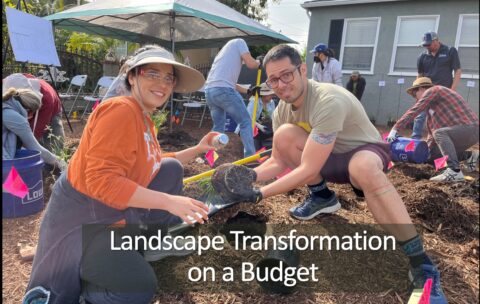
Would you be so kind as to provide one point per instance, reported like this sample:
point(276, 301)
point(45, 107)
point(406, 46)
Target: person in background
point(325, 67)
point(21, 99)
point(452, 127)
point(221, 90)
point(441, 64)
point(356, 84)
point(322, 133)
point(47, 124)
point(118, 175)
point(265, 109)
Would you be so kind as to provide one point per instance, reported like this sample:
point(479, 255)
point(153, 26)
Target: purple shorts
point(335, 169)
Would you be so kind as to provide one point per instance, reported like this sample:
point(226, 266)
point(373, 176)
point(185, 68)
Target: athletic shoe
point(472, 162)
point(313, 206)
point(449, 176)
point(419, 275)
point(156, 255)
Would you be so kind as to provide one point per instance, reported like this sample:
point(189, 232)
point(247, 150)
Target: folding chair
point(104, 82)
point(193, 104)
point(77, 81)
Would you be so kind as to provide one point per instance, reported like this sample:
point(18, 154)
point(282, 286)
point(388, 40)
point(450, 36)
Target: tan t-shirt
point(330, 108)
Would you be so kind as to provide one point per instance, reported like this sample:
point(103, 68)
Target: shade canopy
point(195, 24)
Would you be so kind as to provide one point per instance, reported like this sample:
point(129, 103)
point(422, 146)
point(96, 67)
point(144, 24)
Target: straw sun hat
point(188, 79)
point(422, 82)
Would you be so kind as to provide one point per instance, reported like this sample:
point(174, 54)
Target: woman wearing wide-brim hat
point(452, 127)
point(117, 176)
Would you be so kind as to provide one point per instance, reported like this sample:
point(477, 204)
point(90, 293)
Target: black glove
point(252, 90)
point(260, 58)
point(235, 183)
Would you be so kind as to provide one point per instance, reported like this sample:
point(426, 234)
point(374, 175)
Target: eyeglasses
point(165, 78)
point(286, 77)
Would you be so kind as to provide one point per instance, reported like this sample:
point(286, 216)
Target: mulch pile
point(447, 214)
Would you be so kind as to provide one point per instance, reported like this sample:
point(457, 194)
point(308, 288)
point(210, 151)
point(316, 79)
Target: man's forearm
point(456, 79)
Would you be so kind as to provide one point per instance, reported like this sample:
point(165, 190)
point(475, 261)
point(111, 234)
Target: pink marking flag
point(441, 162)
point(255, 131)
point(425, 299)
point(410, 146)
point(14, 184)
point(95, 105)
point(390, 165)
point(288, 170)
point(211, 157)
point(384, 136)
point(262, 159)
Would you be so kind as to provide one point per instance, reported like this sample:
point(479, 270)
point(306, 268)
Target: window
point(407, 45)
point(467, 44)
point(359, 44)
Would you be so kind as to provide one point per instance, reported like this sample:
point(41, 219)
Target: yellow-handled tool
point(255, 103)
point(242, 161)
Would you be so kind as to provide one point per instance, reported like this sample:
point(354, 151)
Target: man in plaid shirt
point(452, 126)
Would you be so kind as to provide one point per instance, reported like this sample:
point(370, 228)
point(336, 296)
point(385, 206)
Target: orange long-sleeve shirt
point(116, 154)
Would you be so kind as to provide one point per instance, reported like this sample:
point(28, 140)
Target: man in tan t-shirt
point(323, 133)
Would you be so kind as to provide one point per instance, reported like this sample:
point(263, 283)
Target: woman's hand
point(188, 209)
point(205, 143)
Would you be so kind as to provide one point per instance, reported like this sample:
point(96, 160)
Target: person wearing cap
point(265, 108)
point(22, 98)
point(118, 175)
point(452, 127)
point(221, 90)
point(322, 133)
point(356, 84)
point(47, 123)
point(438, 62)
point(325, 67)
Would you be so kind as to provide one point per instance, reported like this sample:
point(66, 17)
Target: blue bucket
point(230, 124)
point(29, 166)
point(419, 154)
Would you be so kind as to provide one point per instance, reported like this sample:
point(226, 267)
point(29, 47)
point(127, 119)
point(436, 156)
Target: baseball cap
point(319, 48)
point(428, 37)
point(19, 81)
point(355, 73)
point(188, 79)
point(265, 90)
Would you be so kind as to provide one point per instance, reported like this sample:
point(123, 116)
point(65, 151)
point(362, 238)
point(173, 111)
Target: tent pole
point(172, 39)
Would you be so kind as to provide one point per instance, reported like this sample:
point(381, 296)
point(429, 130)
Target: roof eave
point(313, 4)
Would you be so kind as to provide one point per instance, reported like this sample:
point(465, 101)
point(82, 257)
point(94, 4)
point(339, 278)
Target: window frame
point(457, 41)
point(395, 42)
point(375, 45)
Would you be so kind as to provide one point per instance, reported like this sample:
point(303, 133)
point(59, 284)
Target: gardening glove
point(260, 58)
point(392, 136)
point(261, 128)
point(252, 90)
point(234, 183)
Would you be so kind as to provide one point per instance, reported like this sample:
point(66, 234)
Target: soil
point(448, 214)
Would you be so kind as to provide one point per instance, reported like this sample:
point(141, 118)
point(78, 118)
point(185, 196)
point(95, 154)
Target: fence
point(72, 63)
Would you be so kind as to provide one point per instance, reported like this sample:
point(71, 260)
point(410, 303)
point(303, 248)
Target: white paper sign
point(31, 38)
point(401, 80)
point(381, 83)
point(471, 84)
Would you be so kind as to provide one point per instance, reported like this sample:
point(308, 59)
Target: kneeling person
point(323, 133)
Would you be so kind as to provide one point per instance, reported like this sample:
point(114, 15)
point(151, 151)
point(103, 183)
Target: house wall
point(391, 101)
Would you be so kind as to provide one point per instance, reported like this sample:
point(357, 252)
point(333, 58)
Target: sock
point(456, 170)
point(320, 190)
point(413, 248)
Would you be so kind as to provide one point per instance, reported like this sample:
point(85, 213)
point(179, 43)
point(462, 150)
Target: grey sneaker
point(449, 176)
point(472, 162)
point(313, 206)
point(155, 255)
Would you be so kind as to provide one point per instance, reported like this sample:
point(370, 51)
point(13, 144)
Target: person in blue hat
point(438, 62)
point(325, 67)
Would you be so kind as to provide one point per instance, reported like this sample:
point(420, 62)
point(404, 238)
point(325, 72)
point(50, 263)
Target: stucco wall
point(392, 100)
